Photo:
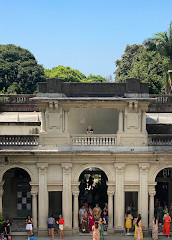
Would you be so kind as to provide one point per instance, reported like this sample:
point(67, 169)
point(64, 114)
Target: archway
point(17, 201)
point(93, 191)
point(93, 187)
point(163, 195)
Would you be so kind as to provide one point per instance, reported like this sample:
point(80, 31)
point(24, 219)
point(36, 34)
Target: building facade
point(46, 154)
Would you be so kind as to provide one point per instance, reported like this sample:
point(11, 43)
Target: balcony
point(19, 140)
point(94, 140)
point(160, 140)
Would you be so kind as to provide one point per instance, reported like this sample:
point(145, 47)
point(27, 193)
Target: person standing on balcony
point(89, 130)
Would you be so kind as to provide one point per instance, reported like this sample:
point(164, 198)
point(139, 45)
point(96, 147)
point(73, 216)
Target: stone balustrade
point(94, 140)
point(160, 140)
point(19, 140)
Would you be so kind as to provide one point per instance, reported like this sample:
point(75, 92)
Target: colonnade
point(116, 199)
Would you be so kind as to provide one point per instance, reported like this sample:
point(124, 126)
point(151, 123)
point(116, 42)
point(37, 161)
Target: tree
point(72, 75)
point(19, 70)
point(162, 44)
point(66, 73)
point(95, 79)
point(148, 66)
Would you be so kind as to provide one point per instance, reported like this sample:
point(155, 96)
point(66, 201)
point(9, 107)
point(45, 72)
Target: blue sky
point(85, 35)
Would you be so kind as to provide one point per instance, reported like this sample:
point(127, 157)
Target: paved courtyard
point(88, 237)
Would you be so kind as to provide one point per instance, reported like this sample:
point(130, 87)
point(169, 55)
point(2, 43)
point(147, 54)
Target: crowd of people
point(93, 220)
point(162, 218)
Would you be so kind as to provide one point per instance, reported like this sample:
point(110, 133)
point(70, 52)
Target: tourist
point(7, 227)
point(166, 228)
point(165, 211)
point(101, 229)
point(61, 226)
point(89, 130)
point(128, 221)
point(51, 223)
point(91, 219)
point(155, 228)
point(81, 214)
point(96, 231)
point(160, 212)
point(97, 212)
point(10, 238)
point(29, 223)
point(3, 237)
point(85, 223)
point(138, 228)
point(105, 213)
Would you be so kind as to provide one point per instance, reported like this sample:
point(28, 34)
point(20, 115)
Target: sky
point(88, 35)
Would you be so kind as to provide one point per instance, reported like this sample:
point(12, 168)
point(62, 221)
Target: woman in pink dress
point(91, 219)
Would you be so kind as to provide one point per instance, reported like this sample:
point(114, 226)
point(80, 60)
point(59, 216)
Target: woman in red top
point(166, 228)
point(61, 226)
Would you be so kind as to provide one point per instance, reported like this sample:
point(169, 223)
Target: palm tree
point(162, 43)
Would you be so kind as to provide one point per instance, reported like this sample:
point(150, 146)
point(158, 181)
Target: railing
point(18, 98)
point(94, 140)
point(19, 140)
point(160, 140)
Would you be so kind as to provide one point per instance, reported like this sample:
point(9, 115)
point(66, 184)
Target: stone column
point(110, 211)
point(1, 195)
point(43, 125)
point(143, 194)
point(119, 197)
point(43, 198)
point(151, 206)
point(67, 196)
point(34, 193)
point(75, 212)
point(120, 120)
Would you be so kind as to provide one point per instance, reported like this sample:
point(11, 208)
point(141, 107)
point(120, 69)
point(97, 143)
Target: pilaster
point(143, 193)
point(67, 196)
point(119, 197)
point(43, 199)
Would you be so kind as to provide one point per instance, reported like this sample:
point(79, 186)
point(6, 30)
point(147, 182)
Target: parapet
point(56, 87)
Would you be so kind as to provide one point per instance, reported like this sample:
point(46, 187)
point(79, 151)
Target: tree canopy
point(19, 70)
point(148, 61)
point(68, 74)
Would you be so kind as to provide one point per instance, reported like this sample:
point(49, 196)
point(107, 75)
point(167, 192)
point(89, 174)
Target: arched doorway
point(17, 201)
point(163, 196)
point(93, 187)
point(93, 192)
point(164, 186)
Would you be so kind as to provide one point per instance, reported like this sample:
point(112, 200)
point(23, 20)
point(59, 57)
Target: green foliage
point(148, 66)
point(95, 79)
point(72, 75)
point(19, 70)
point(66, 73)
point(148, 62)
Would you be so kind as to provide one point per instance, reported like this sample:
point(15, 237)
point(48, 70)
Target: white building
point(46, 155)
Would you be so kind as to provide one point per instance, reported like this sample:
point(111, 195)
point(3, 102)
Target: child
point(128, 221)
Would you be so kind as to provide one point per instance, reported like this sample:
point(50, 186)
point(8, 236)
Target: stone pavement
point(89, 237)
